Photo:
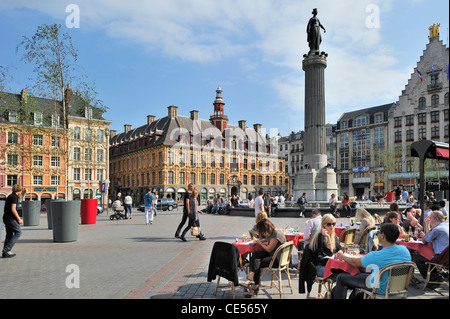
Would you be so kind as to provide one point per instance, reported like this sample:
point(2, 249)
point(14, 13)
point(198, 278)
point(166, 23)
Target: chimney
point(68, 95)
point(242, 125)
point(24, 95)
point(173, 111)
point(194, 115)
point(257, 128)
point(112, 133)
point(150, 119)
point(127, 128)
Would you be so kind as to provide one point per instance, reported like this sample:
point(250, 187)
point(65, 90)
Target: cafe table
point(295, 237)
point(426, 250)
point(247, 247)
point(336, 264)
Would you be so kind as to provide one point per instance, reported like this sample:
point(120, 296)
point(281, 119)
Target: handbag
point(195, 230)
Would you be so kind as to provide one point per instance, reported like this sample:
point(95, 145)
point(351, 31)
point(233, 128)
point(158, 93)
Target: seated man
point(218, 203)
point(390, 253)
point(312, 226)
point(438, 236)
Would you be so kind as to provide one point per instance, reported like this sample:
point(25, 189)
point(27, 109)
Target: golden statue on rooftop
point(434, 30)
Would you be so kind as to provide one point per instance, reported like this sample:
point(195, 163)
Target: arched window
point(422, 102)
point(446, 99)
point(435, 100)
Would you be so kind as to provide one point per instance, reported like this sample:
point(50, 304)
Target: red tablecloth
point(294, 237)
point(425, 250)
point(247, 247)
point(339, 264)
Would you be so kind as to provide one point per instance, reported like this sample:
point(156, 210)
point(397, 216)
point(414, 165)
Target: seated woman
point(345, 206)
point(411, 220)
point(324, 243)
point(261, 259)
point(251, 201)
point(393, 217)
point(410, 200)
point(366, 220)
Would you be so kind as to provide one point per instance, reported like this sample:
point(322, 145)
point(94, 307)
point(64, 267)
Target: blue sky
point(147, 55)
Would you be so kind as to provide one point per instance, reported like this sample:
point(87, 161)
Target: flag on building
point(420, 76)
point(446, 71)
point(432, 69)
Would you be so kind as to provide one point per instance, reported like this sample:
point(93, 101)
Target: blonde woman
point(366, 220)
point(324, 243)
point(262, 215)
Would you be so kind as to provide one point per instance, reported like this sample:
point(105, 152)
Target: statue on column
point(313, 31)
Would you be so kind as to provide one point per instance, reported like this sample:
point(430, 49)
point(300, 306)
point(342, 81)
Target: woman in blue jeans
point(193, 216)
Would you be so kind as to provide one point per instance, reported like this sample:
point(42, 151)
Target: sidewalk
point(127, 259)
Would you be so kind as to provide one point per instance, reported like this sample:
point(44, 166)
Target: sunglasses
point(330, 224)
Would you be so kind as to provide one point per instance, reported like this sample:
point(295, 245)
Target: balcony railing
point(434, 87)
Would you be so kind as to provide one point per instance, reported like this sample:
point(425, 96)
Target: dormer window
point(88, 112)
point(13, 116)
point(37, 118)
point(55, 120)
point(361, 121)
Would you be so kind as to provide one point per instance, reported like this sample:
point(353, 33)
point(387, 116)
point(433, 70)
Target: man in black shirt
point(12, 221)
point(185, 209)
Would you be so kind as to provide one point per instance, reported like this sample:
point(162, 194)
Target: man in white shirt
point(259, 202)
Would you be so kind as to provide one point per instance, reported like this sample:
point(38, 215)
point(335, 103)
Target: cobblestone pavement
point(127, 259)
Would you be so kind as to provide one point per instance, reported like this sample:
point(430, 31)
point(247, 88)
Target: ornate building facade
point(51, 161)
point(422, 113)
point(167, 154)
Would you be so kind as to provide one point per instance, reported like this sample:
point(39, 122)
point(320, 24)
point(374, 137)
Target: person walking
point(128, 201)
point(155, 193)
point(149, 204)
point(12, 221)
point(193, 216)
point(185, 209)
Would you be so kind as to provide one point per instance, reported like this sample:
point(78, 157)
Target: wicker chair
point(400, 275)
point(284, 251)
point(440, 265)
point(327, 283)
point(363, 239)
point(378, 218)
point(347, 236)
point(224, 262)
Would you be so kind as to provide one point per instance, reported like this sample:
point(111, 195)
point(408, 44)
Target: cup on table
point(245, 237)
point(406, 237)
point(356, 250)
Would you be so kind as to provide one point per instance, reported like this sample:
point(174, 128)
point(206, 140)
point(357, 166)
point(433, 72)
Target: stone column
point(314, 66)
point(315, 179)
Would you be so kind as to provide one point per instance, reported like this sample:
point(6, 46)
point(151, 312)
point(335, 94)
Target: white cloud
point(360, 65)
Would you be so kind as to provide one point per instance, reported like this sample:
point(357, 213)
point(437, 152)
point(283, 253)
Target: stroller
point(118, 211)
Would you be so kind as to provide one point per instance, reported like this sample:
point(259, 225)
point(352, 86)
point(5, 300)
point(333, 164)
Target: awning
point(429, 149)
point(441, 152)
